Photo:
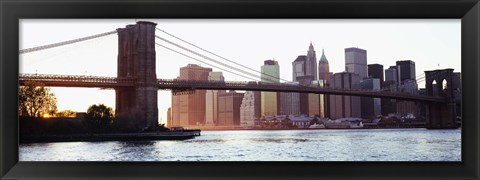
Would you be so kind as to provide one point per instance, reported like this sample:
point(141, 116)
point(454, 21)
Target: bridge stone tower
point(440, 115)
point(136, 107)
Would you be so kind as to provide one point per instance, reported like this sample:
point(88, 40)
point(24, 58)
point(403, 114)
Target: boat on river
point(317, 126)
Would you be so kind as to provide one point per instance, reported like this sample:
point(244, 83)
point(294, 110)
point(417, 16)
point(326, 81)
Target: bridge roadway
point(113, 82)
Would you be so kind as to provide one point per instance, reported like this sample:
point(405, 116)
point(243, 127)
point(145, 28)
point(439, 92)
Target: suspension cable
point(29, 50)
point(203, 61)
point(208, 58)
point(220, 56)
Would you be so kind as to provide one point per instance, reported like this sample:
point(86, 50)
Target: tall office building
point(408, 86)
point(229, 108)
point(316, 102)
point(211, 100)
point(389, 106)
point(304, 97)
point(270, 74)
point(311, 63)
point(340, 105)
point(189, 109)
point(289, 103)
point(250, 111)
point(407, 83)
point(371, 107)
point(298, 67)
point(376, 71)
point(356, 61)
point(406, 69)
point(324, 68)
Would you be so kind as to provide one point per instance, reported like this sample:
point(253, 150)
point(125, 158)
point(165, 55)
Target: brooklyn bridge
point(136, 84)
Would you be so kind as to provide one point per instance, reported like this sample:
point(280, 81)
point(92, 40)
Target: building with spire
point(311, 63)
point(324, 68)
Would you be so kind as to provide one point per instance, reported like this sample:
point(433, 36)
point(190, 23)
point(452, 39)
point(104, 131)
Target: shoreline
point(276, 129)
point(109, 137)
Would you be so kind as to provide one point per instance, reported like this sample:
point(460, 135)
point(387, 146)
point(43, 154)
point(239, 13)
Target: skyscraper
point(288, 103)
point(311, 63)
point(344, 106)
point(211, 100)
point(323, 68)
point(298, 67)
point(376, 71)
point(189, 109)
point(229, 108)
point(250, 111)
point(270, 74)
point(391, 74)
point(371, 107)
point(407, 69)
point(356, 61)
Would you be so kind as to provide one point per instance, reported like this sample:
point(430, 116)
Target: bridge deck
point(113, 82)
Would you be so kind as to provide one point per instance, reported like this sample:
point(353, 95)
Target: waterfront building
point(229, 108)
point(211, 100)
point(270, 74)
point(250, 111)
point(324, 68)
point(371, 107)
point(189, 109)
point(356, 61)
point(342, 106)
point(376, 71)
point(298, 67)
point(311, 63)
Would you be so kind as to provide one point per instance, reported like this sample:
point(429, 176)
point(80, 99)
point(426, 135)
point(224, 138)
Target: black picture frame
point(466, 10)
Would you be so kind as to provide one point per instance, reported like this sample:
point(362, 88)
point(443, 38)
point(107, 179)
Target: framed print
point(239, 89)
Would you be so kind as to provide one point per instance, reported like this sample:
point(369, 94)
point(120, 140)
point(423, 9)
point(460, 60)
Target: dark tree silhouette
point(98, 118)
point(34, 100)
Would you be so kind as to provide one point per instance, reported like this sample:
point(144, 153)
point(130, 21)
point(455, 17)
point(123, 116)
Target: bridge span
point(188, 85)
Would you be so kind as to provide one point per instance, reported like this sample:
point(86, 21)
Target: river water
point(270, 145)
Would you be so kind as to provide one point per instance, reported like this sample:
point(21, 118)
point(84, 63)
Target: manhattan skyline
point(422, 41)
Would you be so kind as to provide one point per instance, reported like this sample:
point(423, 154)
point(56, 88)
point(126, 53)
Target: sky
point(430, 43)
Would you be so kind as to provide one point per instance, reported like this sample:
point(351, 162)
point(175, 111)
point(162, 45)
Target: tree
point(98, 118)
point(66, 113)
point(35, 100)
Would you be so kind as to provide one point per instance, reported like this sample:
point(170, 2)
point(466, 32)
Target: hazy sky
point(432, 44)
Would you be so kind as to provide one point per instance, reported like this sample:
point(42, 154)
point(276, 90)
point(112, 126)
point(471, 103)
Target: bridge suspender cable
point(219, 55)
point(204, 62)
point(29, 50)
point(208, 58)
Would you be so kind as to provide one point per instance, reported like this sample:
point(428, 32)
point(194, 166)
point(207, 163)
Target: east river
point(271, 145)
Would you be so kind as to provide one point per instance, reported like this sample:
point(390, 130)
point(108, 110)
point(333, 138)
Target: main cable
point(48, 46)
